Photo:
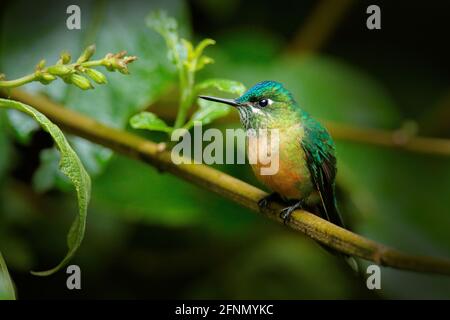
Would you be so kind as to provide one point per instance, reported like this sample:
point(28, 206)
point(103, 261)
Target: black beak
point(230, 102)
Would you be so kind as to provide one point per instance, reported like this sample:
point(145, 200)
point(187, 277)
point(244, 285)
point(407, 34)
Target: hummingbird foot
point(285, 214)
point(264, 202)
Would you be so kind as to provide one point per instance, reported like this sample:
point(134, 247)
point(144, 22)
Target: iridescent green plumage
point(320, 156)
point(307, 152)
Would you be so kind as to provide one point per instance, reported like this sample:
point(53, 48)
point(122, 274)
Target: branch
point(319, 26)
point(234, 189)
point(399, 138)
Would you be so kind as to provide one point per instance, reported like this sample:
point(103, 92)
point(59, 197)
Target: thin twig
point(393, 139)
point(69, 71)
point(234, 189)
point(319, 26)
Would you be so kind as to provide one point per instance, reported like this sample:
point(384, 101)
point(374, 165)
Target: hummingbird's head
point(265, 105)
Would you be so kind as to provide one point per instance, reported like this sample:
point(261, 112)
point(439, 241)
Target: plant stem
point(187, 87)
point(88, 64)
point(34, 76)
point(229, 187)
point(17, 82)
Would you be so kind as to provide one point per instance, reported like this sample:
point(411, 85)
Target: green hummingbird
point(306, 172)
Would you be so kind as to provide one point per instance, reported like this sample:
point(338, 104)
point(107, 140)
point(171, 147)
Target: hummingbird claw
point(264, 202)
point(285, 214)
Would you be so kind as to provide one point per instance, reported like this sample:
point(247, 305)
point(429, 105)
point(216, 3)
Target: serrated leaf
point(7, 291)
point(149, 121)
point(72, 167)
point(224, 85)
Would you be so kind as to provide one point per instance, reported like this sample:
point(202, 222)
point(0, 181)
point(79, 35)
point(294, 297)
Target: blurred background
point(152, 235)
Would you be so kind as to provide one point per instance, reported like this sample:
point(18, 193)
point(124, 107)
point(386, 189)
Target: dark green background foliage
point(151, 235)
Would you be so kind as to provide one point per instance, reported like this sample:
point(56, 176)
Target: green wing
point(319, 153)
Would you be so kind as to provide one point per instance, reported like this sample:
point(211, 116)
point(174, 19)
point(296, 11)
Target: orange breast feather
point(292, 177)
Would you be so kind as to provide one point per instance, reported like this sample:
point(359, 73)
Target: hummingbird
point(306, 173)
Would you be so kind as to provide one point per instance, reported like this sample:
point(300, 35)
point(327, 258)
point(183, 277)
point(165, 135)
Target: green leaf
point(202, 45)
point(149, 121)
point(181, 51)
point(7, 291)
point(47, 175)
point(223, 85)
point(189, 49)
point(202, 62)
point(208, 112)
point(72, 167)
point(22, 125)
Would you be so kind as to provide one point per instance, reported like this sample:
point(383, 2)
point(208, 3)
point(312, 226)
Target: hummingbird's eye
point(264, 102)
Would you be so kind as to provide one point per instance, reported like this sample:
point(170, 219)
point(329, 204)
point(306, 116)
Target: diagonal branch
point(234, 189)
point(319, 25)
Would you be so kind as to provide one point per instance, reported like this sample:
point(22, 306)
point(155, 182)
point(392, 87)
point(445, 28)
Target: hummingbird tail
point(331, 213)
point(349, 260)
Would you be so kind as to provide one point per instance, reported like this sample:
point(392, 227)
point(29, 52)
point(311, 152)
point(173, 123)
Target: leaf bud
point(95, 75)
point(80, 81)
